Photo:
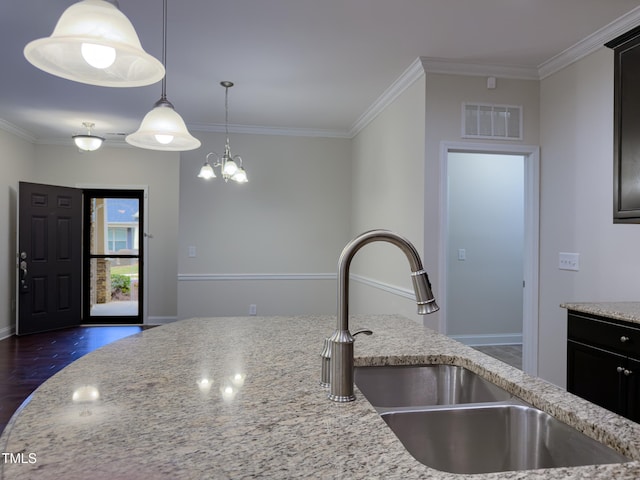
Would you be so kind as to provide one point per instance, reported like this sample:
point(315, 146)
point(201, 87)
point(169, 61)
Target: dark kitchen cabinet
point(626, 124)
point(603, 362)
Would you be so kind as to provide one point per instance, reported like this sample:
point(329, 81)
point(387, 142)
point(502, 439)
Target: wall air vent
point(503, 122)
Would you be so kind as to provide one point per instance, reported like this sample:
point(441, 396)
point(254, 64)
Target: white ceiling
point(315, 65)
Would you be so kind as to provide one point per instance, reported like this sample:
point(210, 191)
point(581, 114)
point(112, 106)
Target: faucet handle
point(366, 331)
point(325, 356)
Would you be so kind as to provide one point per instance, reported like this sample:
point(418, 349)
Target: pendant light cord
point(164, 49)
point(226, 112)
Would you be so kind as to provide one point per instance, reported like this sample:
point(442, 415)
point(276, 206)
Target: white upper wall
point(388, 192)
point(576, 213)
point(444, 98)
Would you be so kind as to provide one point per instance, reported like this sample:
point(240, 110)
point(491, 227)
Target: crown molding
point(404, 81)
point(448, 66)
point(17, 131)
point(590, 44)
point(263, 130)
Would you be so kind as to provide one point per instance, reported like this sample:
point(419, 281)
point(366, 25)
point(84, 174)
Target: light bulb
point(98, 56)
point(230, 167)
point(163, 138)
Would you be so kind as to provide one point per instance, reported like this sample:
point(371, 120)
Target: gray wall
point(388, 192)
point(273, 242)
point(16, 164)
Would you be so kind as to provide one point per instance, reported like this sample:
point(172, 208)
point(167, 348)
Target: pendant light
point(163, 128)
point(230, 165)
point(95, 43)
point(88, 142)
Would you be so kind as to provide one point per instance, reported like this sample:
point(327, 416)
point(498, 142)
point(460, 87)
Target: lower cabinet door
point(593, 374)
point(633, 390)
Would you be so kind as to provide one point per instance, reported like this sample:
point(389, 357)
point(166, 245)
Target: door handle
point(624, 371)
point(23, 272)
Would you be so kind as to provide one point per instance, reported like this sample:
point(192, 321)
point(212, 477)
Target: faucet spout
point(341, 378)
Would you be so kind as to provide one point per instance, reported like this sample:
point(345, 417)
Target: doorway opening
point(113, 280)
point(489, 253)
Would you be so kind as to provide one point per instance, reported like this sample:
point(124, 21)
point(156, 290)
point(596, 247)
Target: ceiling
point(312, 65)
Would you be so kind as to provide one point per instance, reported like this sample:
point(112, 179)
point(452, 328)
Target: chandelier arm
point(217, 162)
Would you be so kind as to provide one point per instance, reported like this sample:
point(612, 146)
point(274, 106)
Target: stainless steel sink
point(495, 438)
point(421, 385)
point(453, 420)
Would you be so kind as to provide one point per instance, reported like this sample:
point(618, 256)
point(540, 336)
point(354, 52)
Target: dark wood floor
point(27, 361)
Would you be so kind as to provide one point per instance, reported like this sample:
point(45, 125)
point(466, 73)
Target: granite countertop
point(263, 414)
point(627, 311)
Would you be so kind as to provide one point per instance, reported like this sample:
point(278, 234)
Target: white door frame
point(531, 238)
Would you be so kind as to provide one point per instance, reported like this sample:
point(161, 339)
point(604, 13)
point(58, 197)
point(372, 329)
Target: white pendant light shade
point(88, 142)
point(163, 129)
point(95, 43)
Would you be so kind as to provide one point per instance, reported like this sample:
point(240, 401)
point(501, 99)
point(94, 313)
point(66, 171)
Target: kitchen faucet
point(341, 342)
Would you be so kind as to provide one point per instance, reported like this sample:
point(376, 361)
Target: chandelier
point(230, 165)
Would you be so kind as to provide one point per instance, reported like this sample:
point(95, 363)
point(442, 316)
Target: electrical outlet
point(191, 251)
point(253, 310)
point(569, 261)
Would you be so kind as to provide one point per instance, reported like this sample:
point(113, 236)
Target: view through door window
point(114, 260)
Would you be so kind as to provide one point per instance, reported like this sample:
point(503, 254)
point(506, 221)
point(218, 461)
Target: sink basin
point(494, 438)
point(453, 420)
point(422, 385)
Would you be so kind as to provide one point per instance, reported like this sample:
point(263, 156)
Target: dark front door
point(50, 258)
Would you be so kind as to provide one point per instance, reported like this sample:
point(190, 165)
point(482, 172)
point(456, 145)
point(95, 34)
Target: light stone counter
point(153, 421)
point(627, 311)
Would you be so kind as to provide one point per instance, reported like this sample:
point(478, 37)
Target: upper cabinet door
point(626, 174)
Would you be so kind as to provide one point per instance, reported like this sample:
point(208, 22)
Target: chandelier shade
point(95, 43)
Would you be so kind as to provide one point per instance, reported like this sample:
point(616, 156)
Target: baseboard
point(7, 332)
point(160, 320)
point(489, 339)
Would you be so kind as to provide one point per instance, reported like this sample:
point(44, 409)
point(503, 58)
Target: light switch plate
point(569, 261)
